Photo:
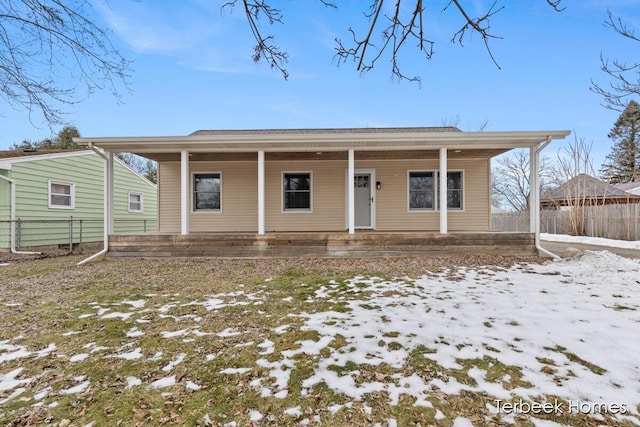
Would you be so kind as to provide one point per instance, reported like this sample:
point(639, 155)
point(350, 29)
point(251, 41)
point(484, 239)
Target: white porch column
point(534, 186)
point(351, 193)
point(442, 184)
point(108, 196)
point(184, 192)
point(261, 192)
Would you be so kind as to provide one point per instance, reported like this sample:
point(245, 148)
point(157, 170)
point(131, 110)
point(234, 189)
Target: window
point(454, 190)
point(135, 202)
point(423, 194)
point(206, 192)
point(421, 190)
point(61, 195)
point(297, 191)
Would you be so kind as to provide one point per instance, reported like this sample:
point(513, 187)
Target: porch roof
point(324, 140)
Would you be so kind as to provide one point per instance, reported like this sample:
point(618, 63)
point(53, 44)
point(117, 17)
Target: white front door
point(363, 198)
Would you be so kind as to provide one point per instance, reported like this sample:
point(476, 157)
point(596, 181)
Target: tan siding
point(392, 213)
point(169, 197)
point(239, 198)
point(327, 192)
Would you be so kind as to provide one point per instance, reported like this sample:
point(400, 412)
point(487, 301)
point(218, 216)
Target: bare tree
point(145, 167)
point(44, 43)
point(625, 77)
point(385, 33)
point(574, 168)
point(510, 185)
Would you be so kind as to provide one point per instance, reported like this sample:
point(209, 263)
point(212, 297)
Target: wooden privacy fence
point(612, 221)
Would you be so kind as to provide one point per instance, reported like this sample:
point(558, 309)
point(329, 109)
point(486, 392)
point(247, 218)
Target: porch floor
point(363, 244)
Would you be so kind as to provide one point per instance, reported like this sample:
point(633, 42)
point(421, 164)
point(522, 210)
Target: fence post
point(71, 234)
point(18, 234)
point(80, 242)
point(145, 225)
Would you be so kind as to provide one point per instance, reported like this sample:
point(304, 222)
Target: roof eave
point(324, 141)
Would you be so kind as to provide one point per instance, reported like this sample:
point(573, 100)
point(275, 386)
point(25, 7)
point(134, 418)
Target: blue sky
point(193, 70)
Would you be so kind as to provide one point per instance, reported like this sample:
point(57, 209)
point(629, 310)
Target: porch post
point(351, 193)
point(533, 188)
point(184, 192)
point(442, 184)
point(109, 194)
point(261, 192)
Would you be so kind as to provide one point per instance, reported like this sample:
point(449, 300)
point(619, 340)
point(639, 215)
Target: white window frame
point(72, 195)
point(135, 193)
point(435, 191)
point(282, 191)
point(193, 192)
point(436, 179)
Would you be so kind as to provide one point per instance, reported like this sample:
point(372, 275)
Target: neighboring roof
point(584, 186)
point(292, 140)
point(628, 186)
point(10, 157)
point(8, 154)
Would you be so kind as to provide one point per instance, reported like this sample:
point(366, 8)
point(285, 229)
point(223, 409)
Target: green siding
point(86, 172)
point(5, 210)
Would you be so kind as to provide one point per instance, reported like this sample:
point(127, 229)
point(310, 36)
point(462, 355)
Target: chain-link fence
point(614, 221)
point(68, 235)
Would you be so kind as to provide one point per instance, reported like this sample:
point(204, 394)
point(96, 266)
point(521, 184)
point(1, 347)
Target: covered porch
point(392, 175)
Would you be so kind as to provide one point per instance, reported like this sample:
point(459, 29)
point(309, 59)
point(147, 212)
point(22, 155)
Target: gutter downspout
point(534, 162)
point(106, 208)
point(12, 217)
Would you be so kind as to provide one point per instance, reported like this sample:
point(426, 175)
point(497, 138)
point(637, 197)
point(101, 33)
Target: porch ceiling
point(328, 155)
point(324, 140)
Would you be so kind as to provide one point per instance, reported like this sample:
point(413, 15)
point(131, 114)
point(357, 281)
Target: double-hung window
point(296, 191)
point(424, 190)
point(207, 192)
point(421, 190)
point(135, 202)
point(61, 195)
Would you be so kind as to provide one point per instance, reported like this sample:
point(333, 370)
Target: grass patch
point(162, 363)
point(576, 359)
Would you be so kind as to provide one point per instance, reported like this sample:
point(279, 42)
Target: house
point(51, 193)
point(335, 192)
point(585, 190)
point(630, 187)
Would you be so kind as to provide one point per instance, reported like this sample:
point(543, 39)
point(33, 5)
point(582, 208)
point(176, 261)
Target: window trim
point(435, 191)
point(72, 195)
point(137, 193)
point(436, 178)
point(282, 192)
point(193, 192)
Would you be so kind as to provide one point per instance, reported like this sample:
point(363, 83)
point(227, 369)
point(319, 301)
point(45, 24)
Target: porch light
point(378, 185)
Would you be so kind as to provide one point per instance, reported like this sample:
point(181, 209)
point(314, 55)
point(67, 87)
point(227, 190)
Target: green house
point(55, 197)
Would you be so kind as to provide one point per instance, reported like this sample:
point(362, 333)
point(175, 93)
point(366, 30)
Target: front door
point(363, 199)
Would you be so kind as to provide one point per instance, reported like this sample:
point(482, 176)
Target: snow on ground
point(537, 318)
point(599, 241)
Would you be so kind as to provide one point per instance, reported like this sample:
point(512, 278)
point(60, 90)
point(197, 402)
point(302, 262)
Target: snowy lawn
point(178, 344)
